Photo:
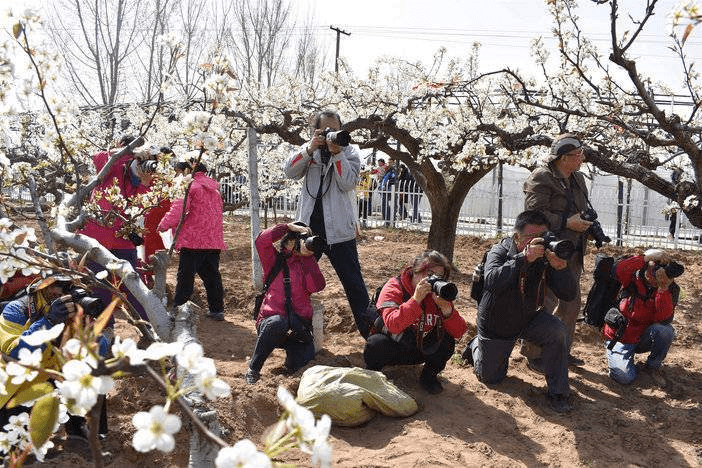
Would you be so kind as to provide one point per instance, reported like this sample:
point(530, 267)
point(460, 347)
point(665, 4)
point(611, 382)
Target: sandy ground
point(653, 422)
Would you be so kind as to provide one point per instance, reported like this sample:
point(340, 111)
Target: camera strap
point(288, 293)
point(277, 266)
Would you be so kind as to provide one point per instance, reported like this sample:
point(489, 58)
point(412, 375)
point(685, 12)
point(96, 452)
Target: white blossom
point(21, 371)
point(80, 388)
point(242, 455)
point(155, 430)
point(128, 348)
point(160, 350)
point(42, 336)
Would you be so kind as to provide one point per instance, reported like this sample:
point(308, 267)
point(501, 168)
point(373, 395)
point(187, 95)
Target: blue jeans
point(344, 258)
point(657, 339)
point(491, 355)
point(273, 333)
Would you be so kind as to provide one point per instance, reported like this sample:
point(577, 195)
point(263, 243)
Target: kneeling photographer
point(419, 322)
point(283, 310)
point(48, 302)
point(643, 324)
point(517, 272)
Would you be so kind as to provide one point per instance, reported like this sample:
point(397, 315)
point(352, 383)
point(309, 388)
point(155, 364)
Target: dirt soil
point(653, 422)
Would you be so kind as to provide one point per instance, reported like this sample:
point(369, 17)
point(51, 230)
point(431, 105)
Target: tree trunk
point(446, 206)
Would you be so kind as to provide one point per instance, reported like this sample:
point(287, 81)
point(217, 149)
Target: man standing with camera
point(650, 295)
point(558, 191)
point(517, 272)
point(327, 204)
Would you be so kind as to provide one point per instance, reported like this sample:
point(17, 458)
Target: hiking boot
point(575, 361)
point(215, 315)
point(252, 376)
point(536, 364)
point(559, 403)
point(430, 383)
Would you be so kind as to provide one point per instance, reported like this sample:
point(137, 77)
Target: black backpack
point(605, 291)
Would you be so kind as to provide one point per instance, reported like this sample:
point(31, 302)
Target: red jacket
point(409, 313)
point(644, 312)
point(105, 233)
point(202, 227)
point(305, 277)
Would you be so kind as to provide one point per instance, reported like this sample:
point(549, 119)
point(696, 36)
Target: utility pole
point(338, 38)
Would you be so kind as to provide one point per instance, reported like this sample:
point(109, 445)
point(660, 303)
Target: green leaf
point(17, 30)
point(29, 391)
point(43, 419)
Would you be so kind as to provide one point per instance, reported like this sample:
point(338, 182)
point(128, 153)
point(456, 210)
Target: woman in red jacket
point(282, 321)
point(420, 326)
point(649, 313)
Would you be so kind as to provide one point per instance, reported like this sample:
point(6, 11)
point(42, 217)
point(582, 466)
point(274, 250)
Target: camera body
point(135, 239)
point(595, 229)
point(444, 289)
point(148, 166)
point(92, 306)
point(311, 242)
point(340, 137)
point(672, 269)
point(563, 249)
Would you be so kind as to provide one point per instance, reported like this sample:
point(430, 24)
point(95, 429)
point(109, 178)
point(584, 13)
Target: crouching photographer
point(47, 302)
point(419, 322)
point(643, 322)
point(283, 310)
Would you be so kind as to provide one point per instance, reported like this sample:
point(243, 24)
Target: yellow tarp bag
point(351, 395)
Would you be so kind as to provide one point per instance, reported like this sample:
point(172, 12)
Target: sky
point(415, 29)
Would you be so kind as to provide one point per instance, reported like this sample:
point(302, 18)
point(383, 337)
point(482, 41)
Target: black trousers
point(273, 333)
point(344, 258)
point(381, 350)
point(204, 262)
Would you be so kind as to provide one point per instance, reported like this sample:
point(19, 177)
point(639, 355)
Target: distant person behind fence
point(327, 205)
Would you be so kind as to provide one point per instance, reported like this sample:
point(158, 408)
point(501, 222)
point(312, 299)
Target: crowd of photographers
point(529, 282)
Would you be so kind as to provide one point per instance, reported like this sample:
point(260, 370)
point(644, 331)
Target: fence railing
point(631, 215)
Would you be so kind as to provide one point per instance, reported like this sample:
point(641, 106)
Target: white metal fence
point(636, 220)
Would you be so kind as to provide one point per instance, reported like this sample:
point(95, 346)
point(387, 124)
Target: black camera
point(92, 306)
point(563, 249)
point(312, 243)
point(672, 269)
point(148, 166)
point(135, 239)
point(444, 289)
point(340, 137)
point(595, 229)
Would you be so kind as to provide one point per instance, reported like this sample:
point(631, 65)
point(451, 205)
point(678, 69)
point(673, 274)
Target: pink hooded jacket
point(202, 227)
point(305, 277)
point(104, 233)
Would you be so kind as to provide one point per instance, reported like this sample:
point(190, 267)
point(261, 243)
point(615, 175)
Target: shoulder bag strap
point(288, 293)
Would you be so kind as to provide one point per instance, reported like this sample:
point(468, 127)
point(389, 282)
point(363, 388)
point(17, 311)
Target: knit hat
point(563, 144)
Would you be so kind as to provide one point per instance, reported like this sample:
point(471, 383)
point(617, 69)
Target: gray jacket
point(338, 200)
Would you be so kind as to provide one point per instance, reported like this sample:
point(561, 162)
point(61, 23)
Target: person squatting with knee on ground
point(419, 325)
point(285, 316)
point(517, 272)
point(650, 297)
point(200, 241)
point(327, 205)
point(558, 190)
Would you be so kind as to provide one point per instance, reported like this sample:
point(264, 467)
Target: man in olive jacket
point(517, 272)
point(558, 191)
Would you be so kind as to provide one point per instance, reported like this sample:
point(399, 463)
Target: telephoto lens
point(444, 289)
point(341, 137)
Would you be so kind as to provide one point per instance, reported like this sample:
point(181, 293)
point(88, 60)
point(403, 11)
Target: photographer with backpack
point(517, 272)
point(284, 312)
point(650, 296)
point(420, 323)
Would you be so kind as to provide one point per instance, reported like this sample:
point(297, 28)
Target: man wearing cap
point(558, 190)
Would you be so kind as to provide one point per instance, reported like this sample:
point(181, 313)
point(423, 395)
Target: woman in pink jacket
point(199, 241)
point(284, 322)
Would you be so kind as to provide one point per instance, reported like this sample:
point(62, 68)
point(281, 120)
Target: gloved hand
point(58, 311)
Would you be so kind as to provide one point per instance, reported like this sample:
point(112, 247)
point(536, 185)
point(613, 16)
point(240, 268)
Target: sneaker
point(467, 355)
point(215, 315)
point(252, 376)
point(559, 403)
point(430, 383)
point(575, 361)
point(536, 364)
